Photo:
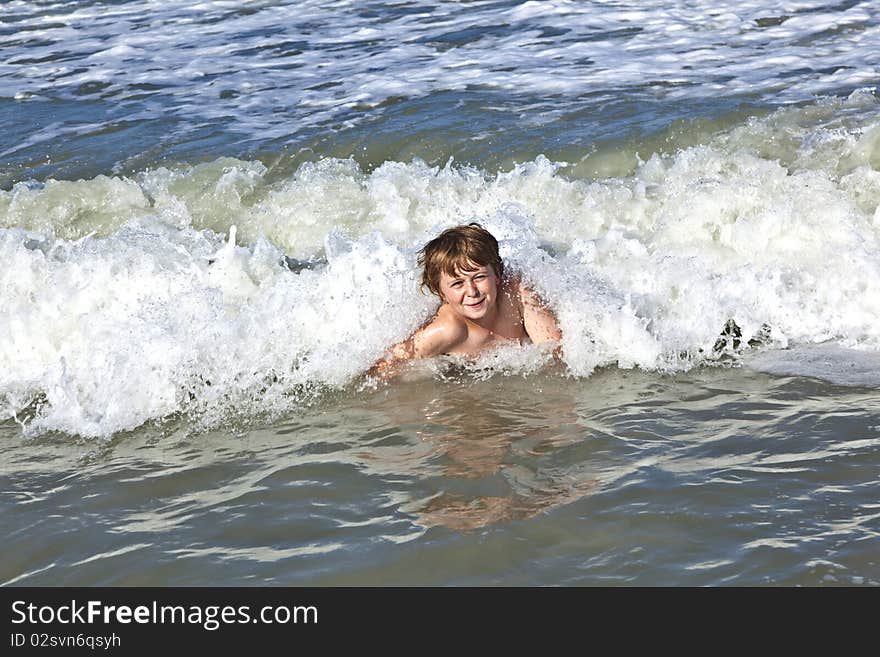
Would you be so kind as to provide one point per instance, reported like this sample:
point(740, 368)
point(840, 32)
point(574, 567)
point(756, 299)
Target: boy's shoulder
point(449, 323)
point(443, 332)
point(515, 290)
point(522, 293)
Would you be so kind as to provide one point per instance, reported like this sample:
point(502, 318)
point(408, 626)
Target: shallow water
point(720, 477)
point(209, 220)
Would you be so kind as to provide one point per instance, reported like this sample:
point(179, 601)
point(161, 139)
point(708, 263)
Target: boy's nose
point(471, 290)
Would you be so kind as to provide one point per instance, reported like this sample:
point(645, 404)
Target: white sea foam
point(212, 291)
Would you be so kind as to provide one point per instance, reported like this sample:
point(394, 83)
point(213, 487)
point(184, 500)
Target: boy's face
point(471, 294)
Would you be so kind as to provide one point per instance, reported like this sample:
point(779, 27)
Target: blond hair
point(458, 249)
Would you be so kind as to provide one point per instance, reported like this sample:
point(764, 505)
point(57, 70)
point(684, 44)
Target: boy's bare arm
point(539, 321)
point(434, 338)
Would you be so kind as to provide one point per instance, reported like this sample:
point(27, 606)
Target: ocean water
point(209, 219)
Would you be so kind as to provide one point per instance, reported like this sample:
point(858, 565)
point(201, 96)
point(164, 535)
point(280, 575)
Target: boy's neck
point(488, 322)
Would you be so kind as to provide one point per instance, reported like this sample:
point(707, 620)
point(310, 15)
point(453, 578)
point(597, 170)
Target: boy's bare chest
point(508, 329)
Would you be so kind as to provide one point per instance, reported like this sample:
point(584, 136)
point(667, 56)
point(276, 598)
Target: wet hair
point(458, 249)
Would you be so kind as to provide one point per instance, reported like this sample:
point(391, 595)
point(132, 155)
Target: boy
point(480, 307)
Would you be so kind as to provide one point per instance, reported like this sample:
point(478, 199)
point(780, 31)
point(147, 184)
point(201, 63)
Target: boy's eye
point(455, 284)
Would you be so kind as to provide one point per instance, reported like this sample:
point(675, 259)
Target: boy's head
point(458, 249)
